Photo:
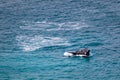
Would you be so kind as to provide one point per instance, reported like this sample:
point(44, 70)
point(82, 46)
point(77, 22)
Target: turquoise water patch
point(35, 34)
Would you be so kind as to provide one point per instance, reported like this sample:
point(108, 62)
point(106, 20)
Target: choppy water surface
point(35, 34)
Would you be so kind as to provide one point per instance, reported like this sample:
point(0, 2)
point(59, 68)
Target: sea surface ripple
point(34, 34)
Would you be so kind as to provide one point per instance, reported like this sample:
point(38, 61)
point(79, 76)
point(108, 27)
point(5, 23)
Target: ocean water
point(34, 34)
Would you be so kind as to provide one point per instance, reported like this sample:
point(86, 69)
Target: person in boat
point(85, 52)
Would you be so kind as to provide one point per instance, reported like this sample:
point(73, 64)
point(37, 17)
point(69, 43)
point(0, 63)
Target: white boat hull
point(69, 54)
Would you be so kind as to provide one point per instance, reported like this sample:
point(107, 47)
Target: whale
point(82, 53)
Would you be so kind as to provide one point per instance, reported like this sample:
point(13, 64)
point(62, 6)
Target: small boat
point(83, 53)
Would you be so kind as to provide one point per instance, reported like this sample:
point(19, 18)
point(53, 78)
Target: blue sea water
point(34, 34)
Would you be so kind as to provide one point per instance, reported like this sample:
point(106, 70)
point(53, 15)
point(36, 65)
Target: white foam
point(28, 43)
point(73, 25)
point(53, 26)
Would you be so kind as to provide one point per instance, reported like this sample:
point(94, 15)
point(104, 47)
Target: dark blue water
point(34, 34)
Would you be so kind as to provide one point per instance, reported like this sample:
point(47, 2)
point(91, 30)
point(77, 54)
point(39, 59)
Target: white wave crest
point(28, 43)
point(53, 26)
